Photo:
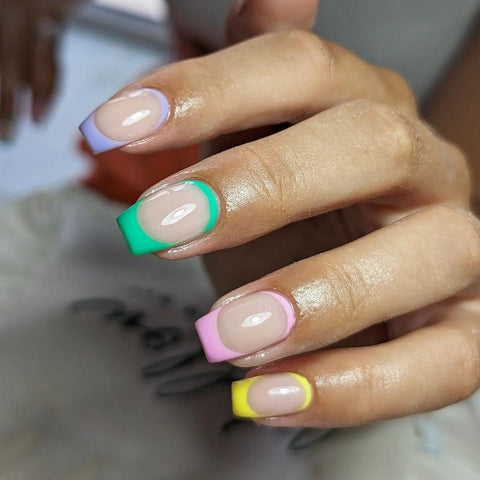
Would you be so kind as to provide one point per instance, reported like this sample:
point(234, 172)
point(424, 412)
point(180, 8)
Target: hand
point(28, 48)
point(359, 209)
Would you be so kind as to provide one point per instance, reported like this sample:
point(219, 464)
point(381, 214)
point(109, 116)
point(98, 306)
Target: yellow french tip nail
point(271, 395)
point(240, 405)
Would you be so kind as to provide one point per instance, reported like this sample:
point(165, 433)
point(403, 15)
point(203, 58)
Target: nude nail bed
point(126, 118)
point(245, 325)
point(271, 395)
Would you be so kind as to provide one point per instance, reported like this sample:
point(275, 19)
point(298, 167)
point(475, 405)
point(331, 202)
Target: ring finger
point(371, 150)
point(323, 299)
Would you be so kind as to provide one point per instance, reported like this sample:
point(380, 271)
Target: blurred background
point(97, 44)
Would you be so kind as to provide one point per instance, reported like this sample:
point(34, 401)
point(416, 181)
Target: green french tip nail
point(169, 217)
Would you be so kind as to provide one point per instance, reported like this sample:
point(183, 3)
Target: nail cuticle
point(228, 300)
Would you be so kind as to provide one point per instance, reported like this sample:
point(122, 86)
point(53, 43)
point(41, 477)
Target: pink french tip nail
point(245, 325)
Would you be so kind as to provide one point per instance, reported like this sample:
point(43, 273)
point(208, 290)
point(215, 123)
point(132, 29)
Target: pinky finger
point(425, 370)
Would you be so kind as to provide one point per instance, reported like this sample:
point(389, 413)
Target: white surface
point(153, 9)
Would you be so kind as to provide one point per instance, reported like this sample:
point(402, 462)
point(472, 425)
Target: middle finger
point(357, 152)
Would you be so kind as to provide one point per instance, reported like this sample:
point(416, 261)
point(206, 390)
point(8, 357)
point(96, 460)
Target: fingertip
point(271, 395)
point(6, 131)
point(126, 119)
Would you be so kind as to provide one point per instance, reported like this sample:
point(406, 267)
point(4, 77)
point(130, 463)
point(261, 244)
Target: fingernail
point(271, 395)
point(245, 325)
point(124, 119)
point(169, 217)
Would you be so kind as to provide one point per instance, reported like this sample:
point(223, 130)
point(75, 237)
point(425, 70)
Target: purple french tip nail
point(126, 118)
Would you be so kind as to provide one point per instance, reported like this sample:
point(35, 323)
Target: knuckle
point(464, 228)
point(446, 161)
point(401, 91)
point(462, 161)
point(471, 370)
point(401, 139)
point(465, 342)
point(349, 290)
point(394, 134)
point(312, 49)
point(461, 177)
point(269, 182)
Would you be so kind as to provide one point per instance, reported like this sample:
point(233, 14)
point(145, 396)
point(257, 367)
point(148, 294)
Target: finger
point(425, 370)
point(12, 26)
point(7, 105)
point(236, 89)
point(357, 152)
point(44, 71)
point(248, 18)
point(323, 299)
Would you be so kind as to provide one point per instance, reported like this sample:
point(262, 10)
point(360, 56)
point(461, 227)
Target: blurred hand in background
point(29, 31)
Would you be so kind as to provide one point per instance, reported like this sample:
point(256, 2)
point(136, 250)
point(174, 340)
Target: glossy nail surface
point(245, 325)
point(169, 217)
point(124, 119)
point(271, 395)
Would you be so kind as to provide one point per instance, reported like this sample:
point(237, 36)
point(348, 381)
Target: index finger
point(275, 78)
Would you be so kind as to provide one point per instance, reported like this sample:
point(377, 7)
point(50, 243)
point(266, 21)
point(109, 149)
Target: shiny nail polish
point(126, 118)
point(271, 395)
point(169, 217)
point(245, 325)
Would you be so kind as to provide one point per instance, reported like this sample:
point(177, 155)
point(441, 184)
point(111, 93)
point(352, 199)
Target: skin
point(358, 212)
point(28, 55)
